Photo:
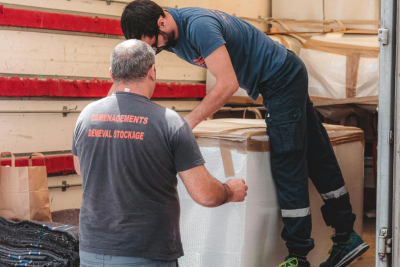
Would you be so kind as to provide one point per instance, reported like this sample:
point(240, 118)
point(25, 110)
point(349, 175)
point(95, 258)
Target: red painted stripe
point(57, 21)
point(55, 88)
point(56, 165)
point(179, 90)
point(17, 87)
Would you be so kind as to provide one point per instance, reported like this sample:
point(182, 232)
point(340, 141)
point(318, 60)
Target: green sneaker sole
point(355, 253)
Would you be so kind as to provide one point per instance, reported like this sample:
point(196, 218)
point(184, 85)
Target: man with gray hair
point(129, 151)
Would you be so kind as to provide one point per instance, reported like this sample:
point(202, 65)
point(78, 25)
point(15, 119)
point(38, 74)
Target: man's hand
point(238, 190)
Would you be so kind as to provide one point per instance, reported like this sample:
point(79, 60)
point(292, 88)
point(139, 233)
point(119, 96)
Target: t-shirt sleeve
point(206, 35)
point(186, 152)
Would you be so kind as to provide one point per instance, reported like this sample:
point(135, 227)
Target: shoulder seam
point(179, 129)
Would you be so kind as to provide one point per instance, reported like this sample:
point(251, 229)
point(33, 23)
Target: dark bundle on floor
point(30, 243)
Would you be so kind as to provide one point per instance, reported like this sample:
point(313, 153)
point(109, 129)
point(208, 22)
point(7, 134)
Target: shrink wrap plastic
point(342, 65)
point(248, 234)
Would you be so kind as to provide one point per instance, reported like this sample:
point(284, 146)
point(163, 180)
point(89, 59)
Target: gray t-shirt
point(130, 150)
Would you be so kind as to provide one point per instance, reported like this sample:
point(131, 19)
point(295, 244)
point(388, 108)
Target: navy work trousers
point(300, 148)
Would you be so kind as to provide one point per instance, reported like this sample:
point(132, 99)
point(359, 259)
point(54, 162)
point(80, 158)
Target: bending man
point(238, 54)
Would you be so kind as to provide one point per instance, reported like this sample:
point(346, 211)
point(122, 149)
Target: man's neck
point(172, 24)
point(134, 88)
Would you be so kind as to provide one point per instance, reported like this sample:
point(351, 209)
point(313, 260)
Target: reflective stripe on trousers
point(296, 213)
point(335, 194)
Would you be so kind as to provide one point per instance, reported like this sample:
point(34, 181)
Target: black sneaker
point(343, 253)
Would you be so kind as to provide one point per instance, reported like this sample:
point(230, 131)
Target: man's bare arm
point(76, 165)
point(220, 65)
point(209, 192)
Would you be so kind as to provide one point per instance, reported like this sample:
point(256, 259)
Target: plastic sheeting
point(342, 65)
point(248, 234)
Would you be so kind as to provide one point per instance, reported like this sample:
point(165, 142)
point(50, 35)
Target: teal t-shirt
point(255, 57)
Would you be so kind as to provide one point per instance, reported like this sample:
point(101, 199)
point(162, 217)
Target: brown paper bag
point(24, 192)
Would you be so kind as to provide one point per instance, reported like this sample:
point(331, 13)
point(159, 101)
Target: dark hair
point(140, 18)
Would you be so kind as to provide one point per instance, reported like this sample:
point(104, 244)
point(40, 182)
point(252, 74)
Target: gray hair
point(131, 61)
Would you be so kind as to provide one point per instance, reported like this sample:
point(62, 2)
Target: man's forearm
point(223, 194)
point(218, 96)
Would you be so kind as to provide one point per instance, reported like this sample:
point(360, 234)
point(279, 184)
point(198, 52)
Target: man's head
point(145, 20)
point(132, 62)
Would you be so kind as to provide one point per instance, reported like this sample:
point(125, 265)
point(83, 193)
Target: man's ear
point(152, 72)
point(111, 74)
point(161, 21)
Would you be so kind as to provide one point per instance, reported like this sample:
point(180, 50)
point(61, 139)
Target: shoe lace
point(289, 263)
point(334, 244)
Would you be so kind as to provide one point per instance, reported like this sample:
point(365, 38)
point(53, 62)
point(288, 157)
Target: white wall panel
point(66, 55)
point(23, 133)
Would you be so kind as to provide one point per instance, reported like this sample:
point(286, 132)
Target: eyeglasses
point(155, 47)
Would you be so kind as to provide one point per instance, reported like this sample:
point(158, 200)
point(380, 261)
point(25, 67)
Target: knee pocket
point(284, 129)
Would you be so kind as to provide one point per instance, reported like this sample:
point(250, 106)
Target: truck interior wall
point(55, 54)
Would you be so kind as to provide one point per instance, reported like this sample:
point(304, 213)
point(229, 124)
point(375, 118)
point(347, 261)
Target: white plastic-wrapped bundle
point(248, 234)
point(240, 96)
point(342, 65)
